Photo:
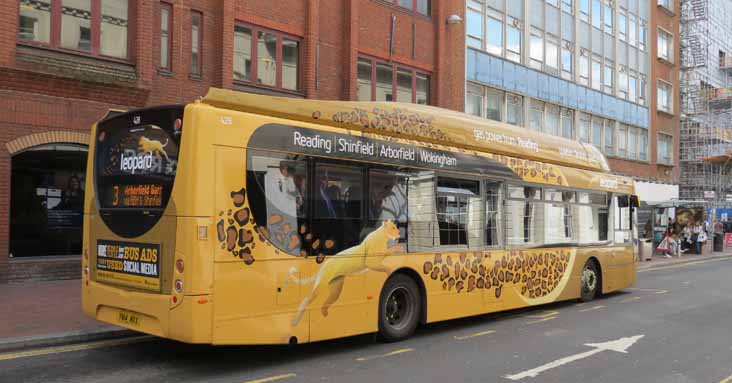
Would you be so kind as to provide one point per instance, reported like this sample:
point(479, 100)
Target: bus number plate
point(129, 318)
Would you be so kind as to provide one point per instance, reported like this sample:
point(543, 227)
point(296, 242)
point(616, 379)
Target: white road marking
point(619, 345)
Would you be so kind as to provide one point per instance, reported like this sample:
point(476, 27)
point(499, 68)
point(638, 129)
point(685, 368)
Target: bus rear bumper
point(187, 321)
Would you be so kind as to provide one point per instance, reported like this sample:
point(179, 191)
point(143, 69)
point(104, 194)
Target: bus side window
point(277, 193)
point(338, 217)
point(387, 201)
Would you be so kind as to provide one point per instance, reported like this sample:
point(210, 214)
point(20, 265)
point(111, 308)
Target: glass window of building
point(536, 115)
point(34, 23)
point(552, 119)
point(384, 82)
point(584, 10)
point(196, 42)
point(632, 30)
point(623, 84)
point(267, 60)
point(664, 96)
point(597, 14)
point(665, 45)
point(422, 93)
point(364, 80)
point(643, 145)
point(622, 26)
point(567, 61)
point(381, 81)
point(494, 104)
point(568, 123)
point(585, 127)
point(515, 110)
point(633, 143)
point(632, 88)
point(596, 74)
point(597, 133)
point(610, 138)
point(642, 35)
point(113, 33)
point(536, 13)
point(623, 140)
point(584, 70)
point(665, 148)
point(642, 85)
point(536, 51)
point(474, 100)
point(552, 56)
point(271, 57)
point(404, 85)
point(513, 43)
point(494, 36)
point(608, 77)
point(567, 6)
point(166, 23)
point(608, 18)
point(475, 28)
point(516, 9)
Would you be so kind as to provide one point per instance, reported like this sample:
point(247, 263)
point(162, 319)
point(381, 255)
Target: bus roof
point(419, 122)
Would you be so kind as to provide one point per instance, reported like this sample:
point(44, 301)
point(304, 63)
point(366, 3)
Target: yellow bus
point(247, 219)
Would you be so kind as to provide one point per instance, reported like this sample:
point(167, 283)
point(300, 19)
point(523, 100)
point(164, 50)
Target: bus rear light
point(86, 253)
point(179, 266)
point(178, 124)
point(178, 286)
point(86, 271)
point(175, 299)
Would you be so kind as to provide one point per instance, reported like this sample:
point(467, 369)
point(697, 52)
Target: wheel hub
point(589, 280)
point(398, 308)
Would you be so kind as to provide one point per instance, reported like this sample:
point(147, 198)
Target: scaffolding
point(706, 100)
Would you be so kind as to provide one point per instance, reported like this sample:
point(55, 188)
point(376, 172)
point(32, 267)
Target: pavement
point(43, 314)
point(39, 314)
point(672, 326)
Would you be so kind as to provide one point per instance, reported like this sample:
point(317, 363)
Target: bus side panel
point(619, 273)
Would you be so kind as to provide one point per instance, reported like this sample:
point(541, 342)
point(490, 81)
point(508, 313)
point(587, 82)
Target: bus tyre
point(590, 281)
point(399, 308)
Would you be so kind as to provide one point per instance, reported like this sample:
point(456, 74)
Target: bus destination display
point(136, 196)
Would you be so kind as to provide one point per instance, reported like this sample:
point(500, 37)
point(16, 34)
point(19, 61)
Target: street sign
point(619, 345)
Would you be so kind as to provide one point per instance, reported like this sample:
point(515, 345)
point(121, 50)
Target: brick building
point(64, 63)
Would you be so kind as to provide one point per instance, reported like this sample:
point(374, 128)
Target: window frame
point(255, 29)
point(198, 73)
point(54, 43)
point(169, 7)
point(670, 144)
point(413, 9)
point(670, 42)
point(670, 90)
point(395, 66)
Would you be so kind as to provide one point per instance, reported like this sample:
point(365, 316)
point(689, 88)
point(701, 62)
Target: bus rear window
point(136, 160)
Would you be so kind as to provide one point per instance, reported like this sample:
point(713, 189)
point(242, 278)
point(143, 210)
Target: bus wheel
point(399, 308)
point(590, 281)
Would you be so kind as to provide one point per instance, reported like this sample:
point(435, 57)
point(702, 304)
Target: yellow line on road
point(73, 347)
point(726, 380)
point(395, 352)
point(592, 308)
point(631, 299)
point(541, 320)
point(477, 334)
point(547, 314)
point(272, 378)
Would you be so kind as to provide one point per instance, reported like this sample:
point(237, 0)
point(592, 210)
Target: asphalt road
point(684, 314)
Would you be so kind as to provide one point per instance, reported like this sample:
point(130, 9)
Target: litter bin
point(645, 249)
point(718, 243)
